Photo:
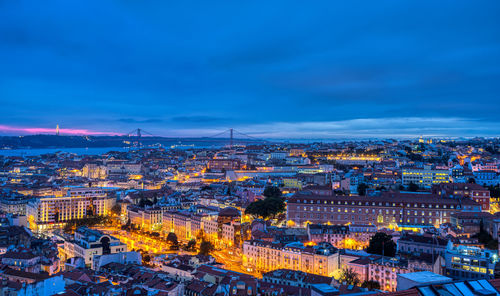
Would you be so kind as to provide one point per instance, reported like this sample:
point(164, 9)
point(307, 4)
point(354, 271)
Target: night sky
point(272, 69)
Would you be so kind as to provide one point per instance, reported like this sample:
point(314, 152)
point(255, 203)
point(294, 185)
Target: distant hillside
point(53, 141)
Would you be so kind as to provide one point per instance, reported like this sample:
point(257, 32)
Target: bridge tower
point(231, 138)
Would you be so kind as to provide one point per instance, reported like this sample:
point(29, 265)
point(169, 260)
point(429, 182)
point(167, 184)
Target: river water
point(79, 151)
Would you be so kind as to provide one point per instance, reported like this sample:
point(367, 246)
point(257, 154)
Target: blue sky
point(281, 69)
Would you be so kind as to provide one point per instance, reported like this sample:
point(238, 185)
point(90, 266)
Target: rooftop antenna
point(57, 130)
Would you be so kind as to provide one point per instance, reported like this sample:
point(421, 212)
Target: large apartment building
point(387, 210)
point(425, 177)
point(385, 270)
point(150, 219)
point(263, 256)
point(475, 192)
point(352, 236)
point(50, 212)
point(187, 225)
point(467, 262)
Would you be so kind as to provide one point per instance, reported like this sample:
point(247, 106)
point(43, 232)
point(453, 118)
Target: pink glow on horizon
point(62, 131)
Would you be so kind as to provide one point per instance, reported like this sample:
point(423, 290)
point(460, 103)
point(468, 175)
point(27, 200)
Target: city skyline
point(281, 70)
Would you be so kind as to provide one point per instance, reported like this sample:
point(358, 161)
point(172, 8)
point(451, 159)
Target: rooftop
point(425, 277)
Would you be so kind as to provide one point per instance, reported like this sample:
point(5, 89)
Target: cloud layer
point(280, 69)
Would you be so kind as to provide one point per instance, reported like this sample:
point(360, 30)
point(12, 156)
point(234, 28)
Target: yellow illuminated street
point(135, 241)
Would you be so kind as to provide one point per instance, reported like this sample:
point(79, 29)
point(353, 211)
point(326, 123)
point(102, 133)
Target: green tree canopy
point(272, 191)
point(270, 206)
point(172, 239)
point(206, 248)
point(266, 208)
point(494, 191)
point(382, 244)
point(413, 187)
point(191, 245)
point(116, 209)
point(350, 277)
point(362, 189)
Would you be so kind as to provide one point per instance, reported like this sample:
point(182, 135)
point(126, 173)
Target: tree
point(172, 239)
point(382, 244)
point(266, 208)
point(485, 238)
point(413, 187)
point(191, 245)
point(147, 258)
point(116, 209)
point(144, 202)
point(206, 248)
point(200, 235)
point(471, 180)
point(272, 191)
point(349, 277)
point(270, 206)
point(494, 191)
point(362, 189)
point(371, 285)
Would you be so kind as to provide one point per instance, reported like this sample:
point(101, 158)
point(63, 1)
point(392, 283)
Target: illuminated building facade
point(422, 244)
point(476, 192)
point(231, 234)
point(150, 219)
point(387, 210)
point(94, 171)
point(88, 243)
point(121, 168)
point(263, 256)
point(184, 224)
point(14, 205)
point(292, 183)
point(385, 271)
point(224, 164)
point(424, 177)
point(351, 236)
point(334, 234)
point(467, 262)
point(50, 212)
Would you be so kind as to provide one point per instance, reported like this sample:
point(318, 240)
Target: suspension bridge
point(230, 136)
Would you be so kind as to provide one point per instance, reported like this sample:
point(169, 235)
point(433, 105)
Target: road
point(229, 259)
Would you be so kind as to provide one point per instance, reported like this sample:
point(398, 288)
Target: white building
point(467, 262)
point(265, 256)
point(89, 243)
point(424, 177)
point(51, 212)
point(122, 258)
point(48, 212)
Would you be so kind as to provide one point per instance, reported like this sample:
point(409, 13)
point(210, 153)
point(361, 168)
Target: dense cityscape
point(249, 148)
point(359, 217)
